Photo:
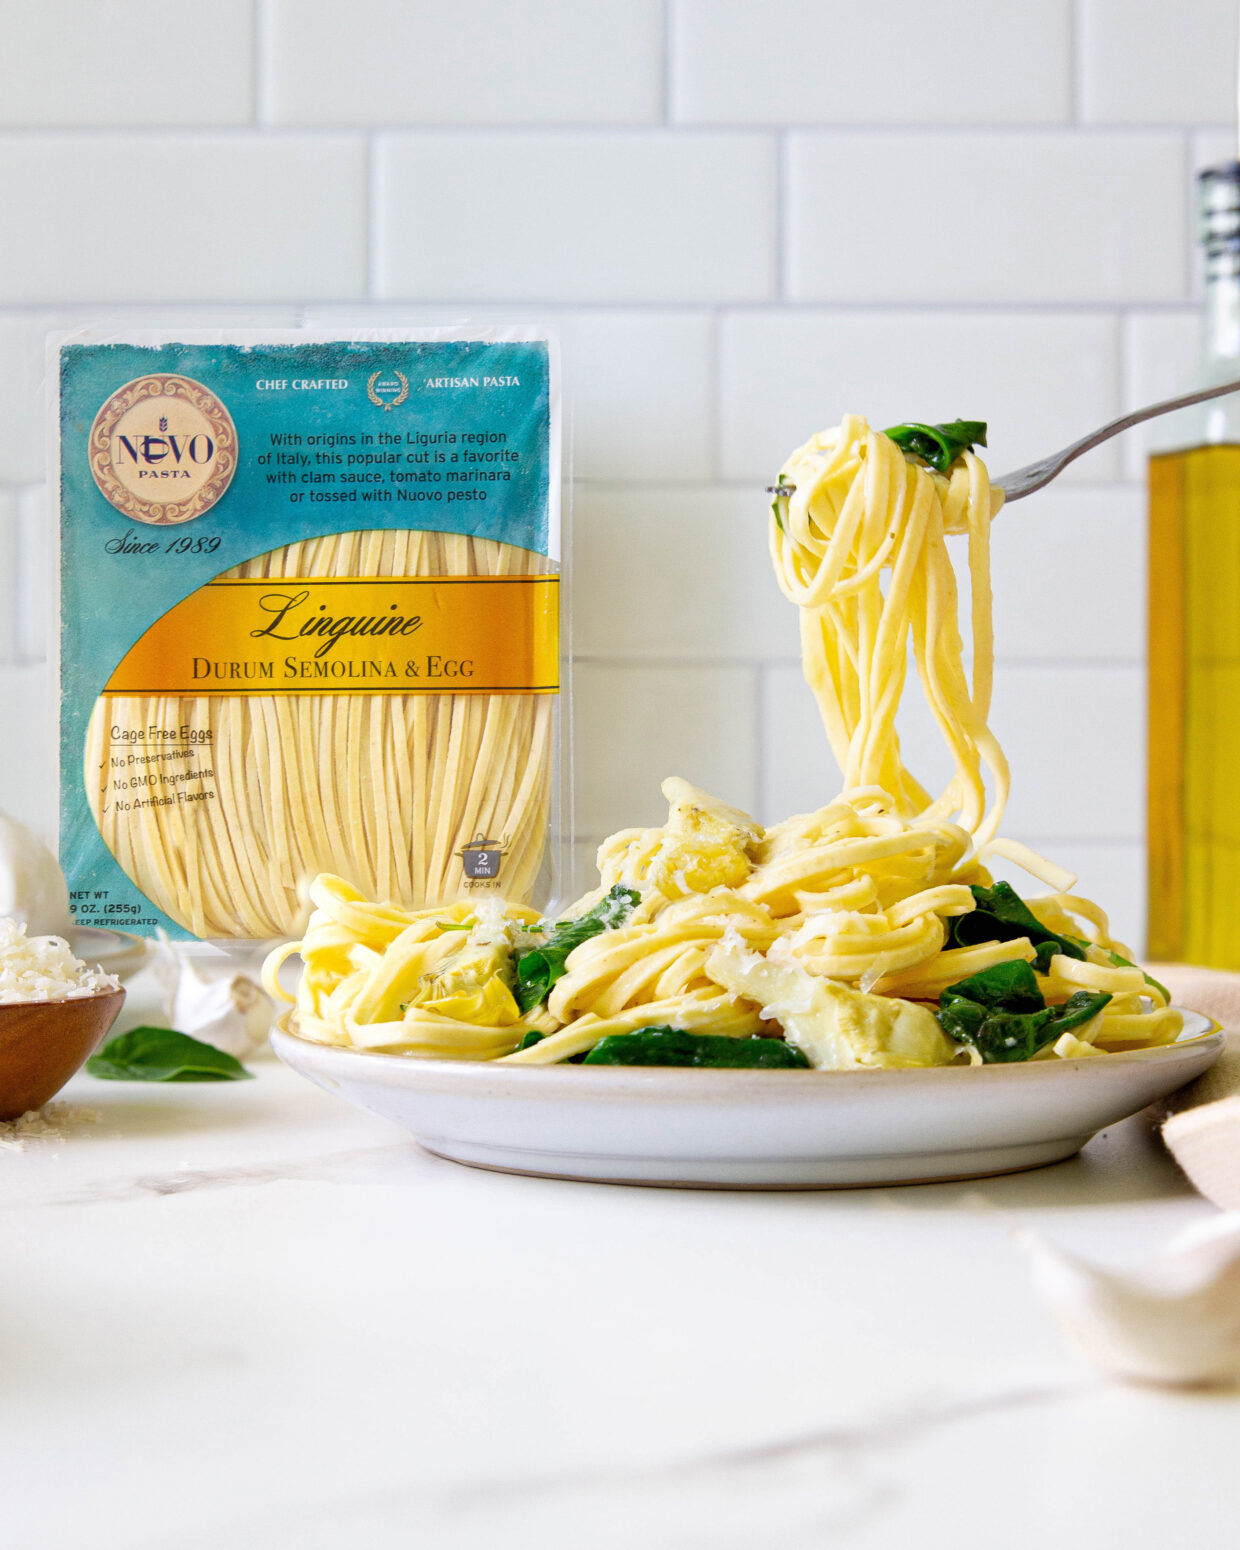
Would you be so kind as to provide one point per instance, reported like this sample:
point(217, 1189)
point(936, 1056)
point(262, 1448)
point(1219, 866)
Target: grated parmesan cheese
point(43, 968)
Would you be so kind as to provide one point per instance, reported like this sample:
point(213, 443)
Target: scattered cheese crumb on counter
point(53, 1122)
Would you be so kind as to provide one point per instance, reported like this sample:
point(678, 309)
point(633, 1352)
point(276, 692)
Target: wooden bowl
point(42, 1043)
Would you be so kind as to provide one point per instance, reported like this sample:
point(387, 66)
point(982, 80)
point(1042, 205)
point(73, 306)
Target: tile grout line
point(714, 382)
point(671, 662)
point(1193, 278)
point(374, 215)
point(761, 695)
point(910, 129)
point(830, 310)
point(264, 57)
point(783, 151)
point(34, 613)
point(1114, 842)
point(755, 483)
point(667, 73)
point(672, 488)
point(1123, 350)
point(10, 533)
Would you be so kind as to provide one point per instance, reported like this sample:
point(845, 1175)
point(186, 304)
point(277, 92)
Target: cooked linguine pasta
point(868, 934)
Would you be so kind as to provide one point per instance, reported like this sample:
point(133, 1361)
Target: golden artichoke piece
point(836, 1028)
point(705, 843)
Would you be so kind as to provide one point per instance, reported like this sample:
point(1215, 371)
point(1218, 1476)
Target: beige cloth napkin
point(1175, 1320)
point(1202, 1130)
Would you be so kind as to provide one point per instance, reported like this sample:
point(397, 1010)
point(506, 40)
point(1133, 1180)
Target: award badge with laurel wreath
point(387, 389)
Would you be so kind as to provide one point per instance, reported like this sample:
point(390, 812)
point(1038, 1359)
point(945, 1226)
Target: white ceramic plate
point(755, 1129)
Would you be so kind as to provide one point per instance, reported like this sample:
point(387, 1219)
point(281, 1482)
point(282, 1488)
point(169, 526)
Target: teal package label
point(181, 460)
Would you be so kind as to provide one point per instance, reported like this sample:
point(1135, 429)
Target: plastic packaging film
point(310, 623)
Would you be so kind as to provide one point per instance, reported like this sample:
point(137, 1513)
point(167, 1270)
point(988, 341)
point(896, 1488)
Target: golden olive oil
point(1194, 705)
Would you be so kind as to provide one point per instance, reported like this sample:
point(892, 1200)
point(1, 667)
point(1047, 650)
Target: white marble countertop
point(247, 1315)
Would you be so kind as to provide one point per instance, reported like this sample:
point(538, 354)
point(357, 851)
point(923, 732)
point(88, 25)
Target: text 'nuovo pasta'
point(868, 934)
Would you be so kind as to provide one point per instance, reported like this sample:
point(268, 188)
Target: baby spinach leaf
point(532, 1037)
point(1121, 962)
point(1002, 1013)
point(540, 967)
point(1079, 1008)
point(939, 445)
point(1001, 1036)
point(1001, 915)
point(674, 1047)
point(163, 1055)
point(1010, 986)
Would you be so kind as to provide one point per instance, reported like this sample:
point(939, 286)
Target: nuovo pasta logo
point(163, 449)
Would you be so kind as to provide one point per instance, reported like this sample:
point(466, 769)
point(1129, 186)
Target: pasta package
point(309, 602)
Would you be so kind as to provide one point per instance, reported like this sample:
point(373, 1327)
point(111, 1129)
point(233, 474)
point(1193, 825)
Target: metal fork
point(1024, 481)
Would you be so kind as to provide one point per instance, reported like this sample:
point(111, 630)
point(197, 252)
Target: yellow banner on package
point(350, 635)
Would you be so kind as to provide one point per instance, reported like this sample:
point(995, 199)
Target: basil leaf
point(540, 967)
point(939, 445)
point(674, 1047)
point(532, 1037)
point(1001, 915)
point(163, 1055)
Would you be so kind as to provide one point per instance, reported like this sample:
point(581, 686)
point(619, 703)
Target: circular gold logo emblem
point(163, 449)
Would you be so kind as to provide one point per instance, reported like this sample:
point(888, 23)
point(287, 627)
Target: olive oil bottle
point(1194, 629)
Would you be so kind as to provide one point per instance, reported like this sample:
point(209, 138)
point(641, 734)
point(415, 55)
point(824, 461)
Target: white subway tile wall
point(1044, 377)
point(637, 723)
point(472, 62)
point(1148, 63)
point(1160, 352)
point(71, 64)
point(745, 217)
point(22, 415)
point(706, 590)
point(582, 216)
point(124, 217)
point(1047, 217)
point(803, 62)
point(643, 394)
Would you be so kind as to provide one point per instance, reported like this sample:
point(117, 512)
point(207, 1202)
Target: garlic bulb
point(32, 886)
point(227, 1009)
point(1175, 1321)
point(211, 997)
